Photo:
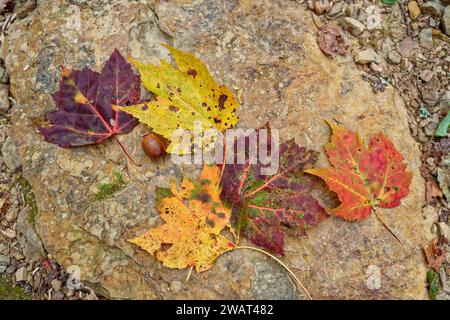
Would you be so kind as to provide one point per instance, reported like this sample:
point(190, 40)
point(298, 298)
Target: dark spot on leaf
point(192, 73)
point(222, 99)
point(203, 197)
point(173, 108)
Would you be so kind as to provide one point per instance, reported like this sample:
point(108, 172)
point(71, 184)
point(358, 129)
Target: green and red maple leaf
point(266, 207)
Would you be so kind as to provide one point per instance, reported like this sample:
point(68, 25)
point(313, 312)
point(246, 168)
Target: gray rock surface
point(366, 56)
point(266, 52)
point(4, 99)
point(10, 155)
point(353, 26)
point(433, 8)
point(27, 236)
point(446, 20)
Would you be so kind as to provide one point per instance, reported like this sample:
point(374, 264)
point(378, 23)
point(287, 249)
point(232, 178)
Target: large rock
point(266, 51)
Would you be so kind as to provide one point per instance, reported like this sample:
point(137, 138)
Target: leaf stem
point(126, 152)
point(388, 229)
point(282, 264)
point(189, 275)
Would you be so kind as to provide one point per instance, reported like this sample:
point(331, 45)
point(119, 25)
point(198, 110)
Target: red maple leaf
point(362, 177)
point(84, 101)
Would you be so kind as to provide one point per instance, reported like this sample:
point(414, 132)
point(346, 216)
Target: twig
point(126, 152)
point(405, 19)
point(282, 264)
point(189, 275)
point(388, 229)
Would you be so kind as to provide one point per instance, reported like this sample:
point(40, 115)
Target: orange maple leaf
point(194, 219)
point(363, 178)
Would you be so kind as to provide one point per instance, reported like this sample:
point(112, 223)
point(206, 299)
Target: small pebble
point(21, 274)
point(413, 9)
point(56, 284)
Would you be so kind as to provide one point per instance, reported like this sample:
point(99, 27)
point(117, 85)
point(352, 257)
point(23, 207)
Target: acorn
point(154, 145)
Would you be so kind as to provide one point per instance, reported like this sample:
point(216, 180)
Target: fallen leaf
point(432, 191)
point(266, 207)
point(363, 178)
point(331, 40)
point(194, 219)
point(183, 96)
point(435, 252)
point(389, 2)
point(84, 101)
point(433, 283)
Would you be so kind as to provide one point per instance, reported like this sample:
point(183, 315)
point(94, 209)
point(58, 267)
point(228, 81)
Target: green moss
point(10, 292)
point(30, 200)
point(433, 283)
point(107, 190)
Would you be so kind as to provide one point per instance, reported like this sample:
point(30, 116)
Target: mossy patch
point(30, 200)
point(8, 291)
point(107, 190)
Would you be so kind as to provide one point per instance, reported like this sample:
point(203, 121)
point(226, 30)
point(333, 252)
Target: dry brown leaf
point(433, 191)
point(435, 252)
point(331, 40)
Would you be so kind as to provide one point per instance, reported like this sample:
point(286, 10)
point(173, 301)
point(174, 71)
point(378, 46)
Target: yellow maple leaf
point(194, 219)
point(183, 96)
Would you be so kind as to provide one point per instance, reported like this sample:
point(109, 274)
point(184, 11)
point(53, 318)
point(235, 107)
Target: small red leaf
point(84, 102)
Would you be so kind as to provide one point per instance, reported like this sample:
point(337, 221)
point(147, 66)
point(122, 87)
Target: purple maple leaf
point(84, 102)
